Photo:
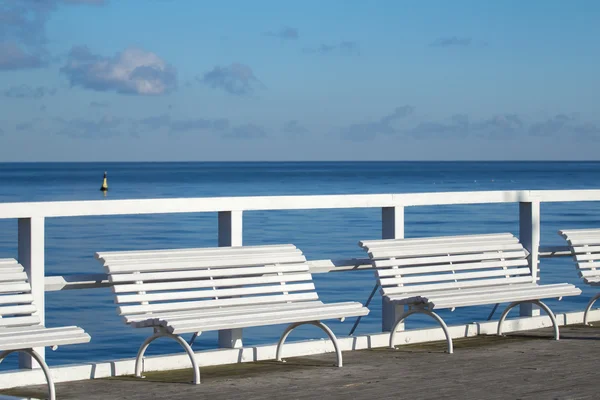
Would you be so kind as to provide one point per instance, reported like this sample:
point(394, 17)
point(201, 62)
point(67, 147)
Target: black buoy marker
point(104, 186)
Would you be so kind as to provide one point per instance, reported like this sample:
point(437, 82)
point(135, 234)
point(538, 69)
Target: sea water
point(72, 241)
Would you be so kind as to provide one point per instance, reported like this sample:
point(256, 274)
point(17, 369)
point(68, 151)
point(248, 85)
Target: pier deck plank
point(520, 366)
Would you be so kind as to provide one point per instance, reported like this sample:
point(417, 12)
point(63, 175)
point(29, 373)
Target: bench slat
point(8, 262)
point(586, 249)
point(449, 259)
point(437, 239)
point(538, 294)
point(224, 311)
point(587, 257)
point(210, 293)
point(20, 321)
point(49, 338)
point(16, 299)
point(386, 272)
point(273, 256)
point(17, 310)
point(13, 277)
point(456, 285)
point(451, 277)
point(426, 246)
point(443, 250)
point(215, 273)
point(206, 304)
point(225, 251)
point(234, 315)
point(217, 263)
point(214, 283)
point(243, 323)
point(15, 288)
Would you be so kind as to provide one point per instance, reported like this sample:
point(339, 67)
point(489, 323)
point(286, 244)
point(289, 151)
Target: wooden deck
point(521, 366)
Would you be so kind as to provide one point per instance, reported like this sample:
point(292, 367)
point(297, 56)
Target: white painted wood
point(242, 322)
point(423, 269)
point(492, 270)
point(203, 263)
point(529, 236)
point(439, 240)
point(205, 304)
point(231, 233)
point(207, 273)
point(137, 255)
point(226, 204)
point(451, 258)
point(200, 294)
point(31, 253)
point(17, 299)
point(392, 227)
point(455, 285)
point(443, 250)
point(233, 252)
point(207, 283)
point(584, 245)
point(255, 289)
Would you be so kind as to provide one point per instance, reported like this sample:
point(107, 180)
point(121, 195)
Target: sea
point(322, 234)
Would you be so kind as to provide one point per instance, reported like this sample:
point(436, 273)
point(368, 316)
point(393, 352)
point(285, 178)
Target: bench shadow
point(233, 371)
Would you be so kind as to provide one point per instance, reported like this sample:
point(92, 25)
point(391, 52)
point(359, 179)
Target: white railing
point(31, 223)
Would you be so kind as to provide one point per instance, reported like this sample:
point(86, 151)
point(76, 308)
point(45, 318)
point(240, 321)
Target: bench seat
point(585, 248)
point(179, 291)
point(20, 325)
point(454, 298)
point(39, 336)
point(447, 272)
point(200, 321)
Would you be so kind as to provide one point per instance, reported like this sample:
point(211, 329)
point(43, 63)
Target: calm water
point(72, 242)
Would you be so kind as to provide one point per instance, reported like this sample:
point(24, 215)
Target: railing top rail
point(254, 203)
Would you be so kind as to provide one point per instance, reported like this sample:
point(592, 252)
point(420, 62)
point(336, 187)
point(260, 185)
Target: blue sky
point(160, 80)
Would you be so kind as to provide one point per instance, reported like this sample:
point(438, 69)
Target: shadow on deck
point(527, 365)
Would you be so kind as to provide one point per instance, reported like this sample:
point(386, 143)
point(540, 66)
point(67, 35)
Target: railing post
point(31, 257)
point(230, 234)
point(392, 227)
point(529, 235)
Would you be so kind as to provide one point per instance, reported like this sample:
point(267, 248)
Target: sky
point(195, 80)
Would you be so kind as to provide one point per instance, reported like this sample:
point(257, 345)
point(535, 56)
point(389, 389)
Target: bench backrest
point(16, 300)
point(438, 263)
point(163, 281)
point(585, 247)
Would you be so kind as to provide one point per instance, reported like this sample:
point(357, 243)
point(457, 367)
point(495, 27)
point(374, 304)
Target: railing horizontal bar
point(554, 251)
point(79, 281)
point(216, 204)
point(89, 281)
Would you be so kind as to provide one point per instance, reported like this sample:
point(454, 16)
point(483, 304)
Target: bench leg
point(537, 303)
point(178, 339)
point(319, 324)
point(589, 307)
point(426, 312)
point(43, 366)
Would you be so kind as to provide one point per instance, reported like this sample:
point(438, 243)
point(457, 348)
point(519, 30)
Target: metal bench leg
point(43, 365)
point(537, 303)
point(589, 307)
point(426, 312)
point(319, 324)
point(178, 339)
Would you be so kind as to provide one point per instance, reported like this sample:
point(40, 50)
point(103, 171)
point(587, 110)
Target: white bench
point(427, 274)
point(194, 290)
point(585, 247)
point(20, 326)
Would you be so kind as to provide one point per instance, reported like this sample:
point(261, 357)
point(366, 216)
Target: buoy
point(104, 186)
